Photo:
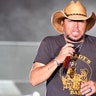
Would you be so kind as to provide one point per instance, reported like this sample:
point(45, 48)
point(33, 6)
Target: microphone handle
point(66, 64)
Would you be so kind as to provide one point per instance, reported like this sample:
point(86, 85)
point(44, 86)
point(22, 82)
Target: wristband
point(56, 62)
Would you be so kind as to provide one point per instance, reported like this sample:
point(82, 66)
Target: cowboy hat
point(73, 11)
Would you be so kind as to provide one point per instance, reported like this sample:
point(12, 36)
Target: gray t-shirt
point(63, 85)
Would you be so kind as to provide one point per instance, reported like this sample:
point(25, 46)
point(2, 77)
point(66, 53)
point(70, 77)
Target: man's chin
point(74, 39)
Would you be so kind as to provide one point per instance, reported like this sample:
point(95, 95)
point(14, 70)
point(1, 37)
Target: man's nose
point(76, 24)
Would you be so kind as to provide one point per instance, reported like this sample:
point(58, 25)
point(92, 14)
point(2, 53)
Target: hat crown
point(75, 8)
point(73, 11)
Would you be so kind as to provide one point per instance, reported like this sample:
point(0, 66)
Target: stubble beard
point(75, 40)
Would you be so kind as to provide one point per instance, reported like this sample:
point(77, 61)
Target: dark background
point(30, 20)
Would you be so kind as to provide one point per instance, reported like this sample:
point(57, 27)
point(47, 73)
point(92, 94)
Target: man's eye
point(81, 21)
point(77, 21)
point(70, 20)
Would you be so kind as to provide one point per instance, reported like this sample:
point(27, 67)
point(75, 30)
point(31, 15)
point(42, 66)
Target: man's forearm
point(42, 73)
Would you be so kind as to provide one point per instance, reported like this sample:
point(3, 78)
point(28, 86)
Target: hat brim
point(59, 16)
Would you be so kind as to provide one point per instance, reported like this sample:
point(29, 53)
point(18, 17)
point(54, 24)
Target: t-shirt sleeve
point(43, 53)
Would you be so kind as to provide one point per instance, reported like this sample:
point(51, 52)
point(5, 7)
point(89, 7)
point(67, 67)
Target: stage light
point(35, 93)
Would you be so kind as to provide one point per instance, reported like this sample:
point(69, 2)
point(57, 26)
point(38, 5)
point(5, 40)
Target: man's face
point(74, 30)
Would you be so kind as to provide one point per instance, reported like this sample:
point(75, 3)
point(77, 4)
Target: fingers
point(68, 49)
point(68, 45)
point(65, 51)
point(88, 88)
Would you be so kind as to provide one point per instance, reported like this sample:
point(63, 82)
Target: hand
point(65, 51)
point(88, 88)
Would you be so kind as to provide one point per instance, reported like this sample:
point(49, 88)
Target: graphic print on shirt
point(76, 75)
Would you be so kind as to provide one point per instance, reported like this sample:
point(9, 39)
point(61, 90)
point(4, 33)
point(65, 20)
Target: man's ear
point(62, 22)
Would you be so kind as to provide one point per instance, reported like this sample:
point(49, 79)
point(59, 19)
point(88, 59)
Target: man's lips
point(75, 33)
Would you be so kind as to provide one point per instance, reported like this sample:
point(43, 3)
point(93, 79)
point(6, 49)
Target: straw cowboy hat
point(73, 11)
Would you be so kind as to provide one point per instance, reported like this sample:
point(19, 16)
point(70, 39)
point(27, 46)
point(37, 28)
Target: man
point(67, 61)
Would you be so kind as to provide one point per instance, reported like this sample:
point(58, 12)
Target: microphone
point(70, 59)
point(66, 64)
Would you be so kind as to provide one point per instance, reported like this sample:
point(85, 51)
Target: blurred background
point(23, 24)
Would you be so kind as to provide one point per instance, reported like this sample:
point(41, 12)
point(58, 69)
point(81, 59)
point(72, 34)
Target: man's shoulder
point(56, 37)
point(91, 40)
point(91, 37)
